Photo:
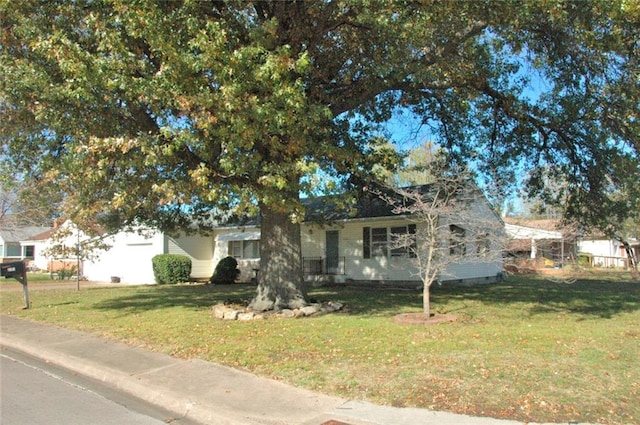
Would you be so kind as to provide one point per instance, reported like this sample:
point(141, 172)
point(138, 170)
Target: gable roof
point(327, 209)
point(336, 208)
point(18, 234)
point(42, 236)
point(332, 208)
point(370, 205)
point(541, 224)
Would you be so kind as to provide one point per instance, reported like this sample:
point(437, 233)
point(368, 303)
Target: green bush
point(171, 268)
point(226, 271)
point(64, 273)
point(584, 260)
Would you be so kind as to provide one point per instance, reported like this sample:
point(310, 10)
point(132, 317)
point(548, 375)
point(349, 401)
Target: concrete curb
point(174, 384)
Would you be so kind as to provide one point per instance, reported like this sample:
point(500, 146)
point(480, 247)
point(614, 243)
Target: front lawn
point(526, 349)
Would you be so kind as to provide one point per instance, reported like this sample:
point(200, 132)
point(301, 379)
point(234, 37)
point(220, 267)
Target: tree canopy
point(161, 111)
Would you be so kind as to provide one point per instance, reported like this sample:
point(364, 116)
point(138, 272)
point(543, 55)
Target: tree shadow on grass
point(195, 296)
point(358, 301)
point(375, 301)
point(585, 297)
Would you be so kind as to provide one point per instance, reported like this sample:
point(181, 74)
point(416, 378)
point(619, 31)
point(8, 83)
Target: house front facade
point(364, 251)
point(349, 248)
point(129, 258)
point(360, 248)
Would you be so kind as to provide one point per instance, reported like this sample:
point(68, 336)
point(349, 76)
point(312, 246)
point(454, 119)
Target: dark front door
point(332, 251)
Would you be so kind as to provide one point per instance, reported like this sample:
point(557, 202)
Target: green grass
point(38, 277)
point(526, 349)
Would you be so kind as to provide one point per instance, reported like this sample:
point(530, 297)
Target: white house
point(347, 247)
point(605, 252)
point(545, 241)
point(127, 256)
point(13, 248)
point(358, 246)
point(535, 239)
point(55, 248)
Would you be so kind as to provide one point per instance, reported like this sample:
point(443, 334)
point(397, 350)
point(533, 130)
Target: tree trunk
point(280, 281)
point(633, 262)
point(426, 300)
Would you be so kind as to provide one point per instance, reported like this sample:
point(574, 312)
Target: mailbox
point(14, 269)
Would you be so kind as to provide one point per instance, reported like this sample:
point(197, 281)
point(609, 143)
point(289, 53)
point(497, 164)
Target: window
point(403, 240)
point(381, 241)
point(29, 251)
point(457, 244)
point(244, 249)
point(483, 244)
point(13, 250)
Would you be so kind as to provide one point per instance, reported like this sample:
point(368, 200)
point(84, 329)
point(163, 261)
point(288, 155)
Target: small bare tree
point(25, 201)
point(70, 244)
point(454, 224)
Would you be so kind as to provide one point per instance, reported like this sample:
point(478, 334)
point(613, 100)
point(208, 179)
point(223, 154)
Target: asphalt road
point(35, 393)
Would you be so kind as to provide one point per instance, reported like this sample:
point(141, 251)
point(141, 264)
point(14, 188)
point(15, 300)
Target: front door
point(332, 252)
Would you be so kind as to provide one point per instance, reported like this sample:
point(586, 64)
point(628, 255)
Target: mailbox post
point(17, 270)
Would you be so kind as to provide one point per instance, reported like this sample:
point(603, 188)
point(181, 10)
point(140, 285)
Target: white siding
point(351, 248)
point(197, 247)
point(472, 266)
point(129, 258)
point(601, 247)
point(605, 252)
point(221, 250)
point(472, 270)
point(403, 268)
point(40, 261)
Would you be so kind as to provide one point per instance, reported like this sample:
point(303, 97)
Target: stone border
point(231, 312)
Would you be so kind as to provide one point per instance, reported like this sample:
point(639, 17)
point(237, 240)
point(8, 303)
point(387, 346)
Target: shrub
point(66, 273)
point(226, 271)
point(584, 260)
point(171, 268)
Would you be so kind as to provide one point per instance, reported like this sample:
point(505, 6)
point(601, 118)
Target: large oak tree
point(160, 112)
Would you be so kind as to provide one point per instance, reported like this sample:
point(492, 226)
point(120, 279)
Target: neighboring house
point(538, 243)
point(533, 239)
point(40, 242)
point(46, 257)
point(604, 252)
point(355, 247)
point(12, 247)
point(544, 243)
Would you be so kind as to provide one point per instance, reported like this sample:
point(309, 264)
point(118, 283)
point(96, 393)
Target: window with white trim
point(389, 241)
point(244, 249)
point(29, 251)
